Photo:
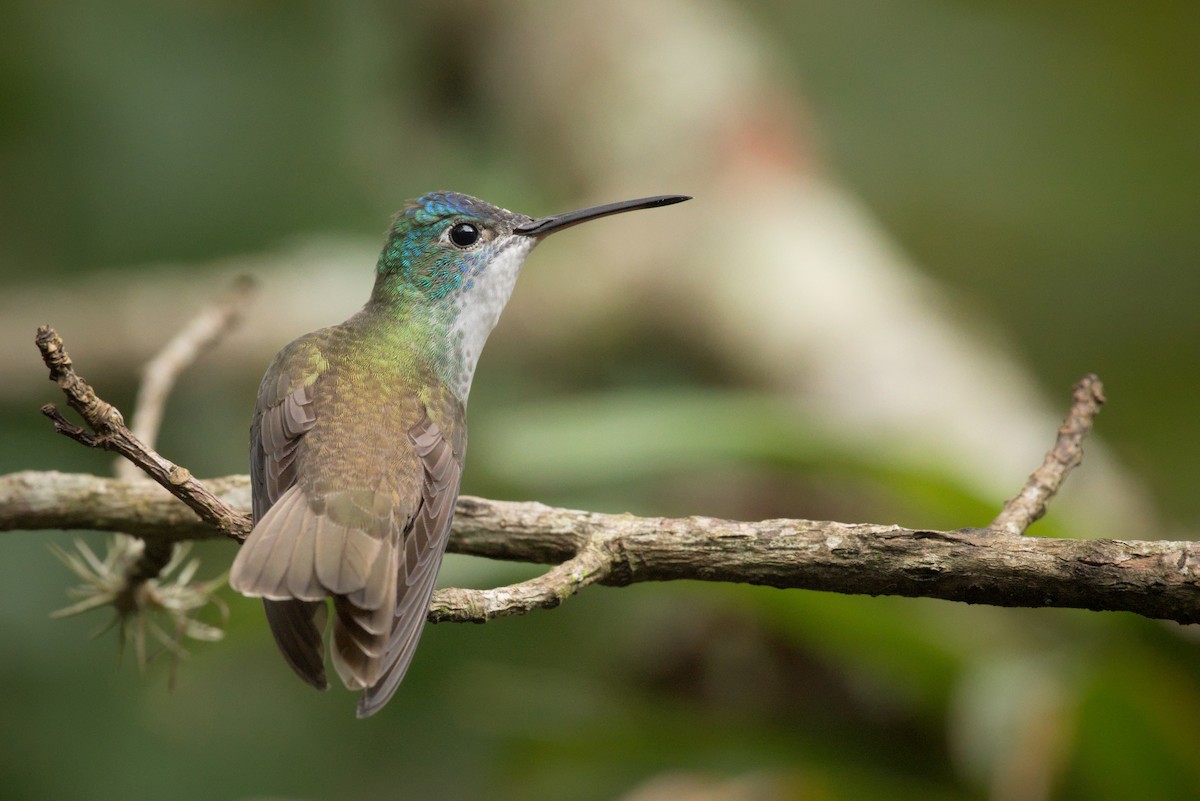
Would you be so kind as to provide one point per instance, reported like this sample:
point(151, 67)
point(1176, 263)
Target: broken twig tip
point(1028, 506)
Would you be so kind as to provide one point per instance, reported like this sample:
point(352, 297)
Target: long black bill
point(557, 222)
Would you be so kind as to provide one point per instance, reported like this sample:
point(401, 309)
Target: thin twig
point(1029, 505)
point(591, 565)
point(108, 432)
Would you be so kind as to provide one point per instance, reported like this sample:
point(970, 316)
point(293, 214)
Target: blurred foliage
point(1058, 194)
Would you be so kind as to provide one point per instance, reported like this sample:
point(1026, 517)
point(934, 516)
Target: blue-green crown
point(416, 255)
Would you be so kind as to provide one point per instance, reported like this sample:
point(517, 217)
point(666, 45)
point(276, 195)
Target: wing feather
point(283, 414)
point(424, 546)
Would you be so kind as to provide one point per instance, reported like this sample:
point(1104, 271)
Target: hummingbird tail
point(298, 627)
point(297, 557)
point(360, 638)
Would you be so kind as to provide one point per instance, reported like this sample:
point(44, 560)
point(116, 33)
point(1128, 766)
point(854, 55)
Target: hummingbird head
point(440, 246)
point(458, 258)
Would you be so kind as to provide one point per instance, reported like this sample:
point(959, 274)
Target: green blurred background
point(1036, 162)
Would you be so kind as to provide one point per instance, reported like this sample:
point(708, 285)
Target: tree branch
point(1156, 579)
point(996, 566)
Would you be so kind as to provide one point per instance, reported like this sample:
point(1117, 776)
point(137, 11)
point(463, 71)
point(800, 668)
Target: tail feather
point(298, 626)
point(295, 558)
point(409, 622)
point(379, 590)
point(358, 653)
point(375, 551)
point(344, 556)
point(262, 567)
point(302, 581)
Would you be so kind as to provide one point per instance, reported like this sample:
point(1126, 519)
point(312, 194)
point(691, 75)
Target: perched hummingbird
point(358, 439)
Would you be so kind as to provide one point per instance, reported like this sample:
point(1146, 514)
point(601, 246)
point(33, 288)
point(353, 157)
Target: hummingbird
point(359, 435)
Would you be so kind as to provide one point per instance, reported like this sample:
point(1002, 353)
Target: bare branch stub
point(111, 434)
point(80, 396)
point(1030, 503)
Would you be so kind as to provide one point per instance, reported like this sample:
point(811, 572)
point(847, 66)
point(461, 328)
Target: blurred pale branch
point(989, 566)
point(208, 327)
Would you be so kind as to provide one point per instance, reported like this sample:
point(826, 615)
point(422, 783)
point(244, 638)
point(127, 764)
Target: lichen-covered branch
point(51, 500)
point(1156, 579)
point(139, 564)
point(594, 563)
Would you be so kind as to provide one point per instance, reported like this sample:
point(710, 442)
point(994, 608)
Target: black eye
point(464, 235)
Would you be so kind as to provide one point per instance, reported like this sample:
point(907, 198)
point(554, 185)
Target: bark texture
point(1155, 579)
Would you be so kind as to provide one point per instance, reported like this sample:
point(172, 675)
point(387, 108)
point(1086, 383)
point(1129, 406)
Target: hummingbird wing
point(283, 414)
point(441, 455)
